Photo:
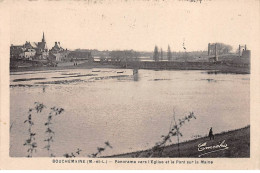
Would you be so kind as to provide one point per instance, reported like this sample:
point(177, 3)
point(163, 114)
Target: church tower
point(43, 38)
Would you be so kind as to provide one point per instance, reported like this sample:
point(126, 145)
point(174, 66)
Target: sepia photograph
point(130, 79)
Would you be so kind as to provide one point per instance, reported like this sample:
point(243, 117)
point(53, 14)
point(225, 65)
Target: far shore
point(237, 146)
point(212, 68)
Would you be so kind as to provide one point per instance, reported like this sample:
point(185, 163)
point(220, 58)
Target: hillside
point(237, 141)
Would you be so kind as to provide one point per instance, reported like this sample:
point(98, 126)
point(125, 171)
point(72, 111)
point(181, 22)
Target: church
point(39, 51)
point(30, 51)
point(42, 51)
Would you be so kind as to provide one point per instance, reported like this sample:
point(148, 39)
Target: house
point(30, 50)
point(56, 48)
point(57, 53)
point(60, 56)
point(28, 54)
point(39, 51)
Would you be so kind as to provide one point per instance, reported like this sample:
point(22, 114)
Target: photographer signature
point(213, 148)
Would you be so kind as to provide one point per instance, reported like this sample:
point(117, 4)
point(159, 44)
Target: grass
point(238, 143)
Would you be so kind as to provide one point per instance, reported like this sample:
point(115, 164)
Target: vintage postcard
point(113, 84)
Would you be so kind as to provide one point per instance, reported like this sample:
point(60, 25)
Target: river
point(130, 112)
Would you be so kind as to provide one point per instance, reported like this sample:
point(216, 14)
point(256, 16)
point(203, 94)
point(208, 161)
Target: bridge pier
point(212, 50)
point(239, 49)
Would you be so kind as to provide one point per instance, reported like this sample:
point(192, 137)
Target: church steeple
point(43, 39)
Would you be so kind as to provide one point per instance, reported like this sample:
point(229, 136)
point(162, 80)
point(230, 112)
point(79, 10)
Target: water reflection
point(135, 74)
point(43, 88)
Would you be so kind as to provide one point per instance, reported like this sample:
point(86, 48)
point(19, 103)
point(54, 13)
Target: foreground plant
point(49, 131)
point(101, 149)
point(31, 142)
point(174, 131)
point(77, 153)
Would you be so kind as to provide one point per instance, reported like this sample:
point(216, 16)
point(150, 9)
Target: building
point(38, 51)
point(30, 51)
point(28, 54)
point(42, 51)
point(57, 53)
point(28, 45)
point(56, 48)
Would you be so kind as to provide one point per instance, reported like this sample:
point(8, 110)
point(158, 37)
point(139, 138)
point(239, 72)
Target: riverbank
point(237, 144)
point(210, 67)
point(218, 67)
point(84, 65)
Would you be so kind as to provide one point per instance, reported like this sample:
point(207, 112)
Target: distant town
point(39, 54)
point(219, 56)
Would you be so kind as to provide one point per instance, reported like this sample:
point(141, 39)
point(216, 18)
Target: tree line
point(159, 56)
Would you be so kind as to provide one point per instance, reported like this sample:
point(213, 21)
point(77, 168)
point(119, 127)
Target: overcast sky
point(133, 25)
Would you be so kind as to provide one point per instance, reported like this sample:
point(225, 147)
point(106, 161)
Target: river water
point(131, 112)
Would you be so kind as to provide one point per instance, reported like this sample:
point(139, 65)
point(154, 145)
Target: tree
point(156, 54)
point(169, 54)
point(124, 55)
point(223, 48)
point(161, 54)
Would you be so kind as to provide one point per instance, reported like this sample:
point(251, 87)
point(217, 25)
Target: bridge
point(213, 52)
